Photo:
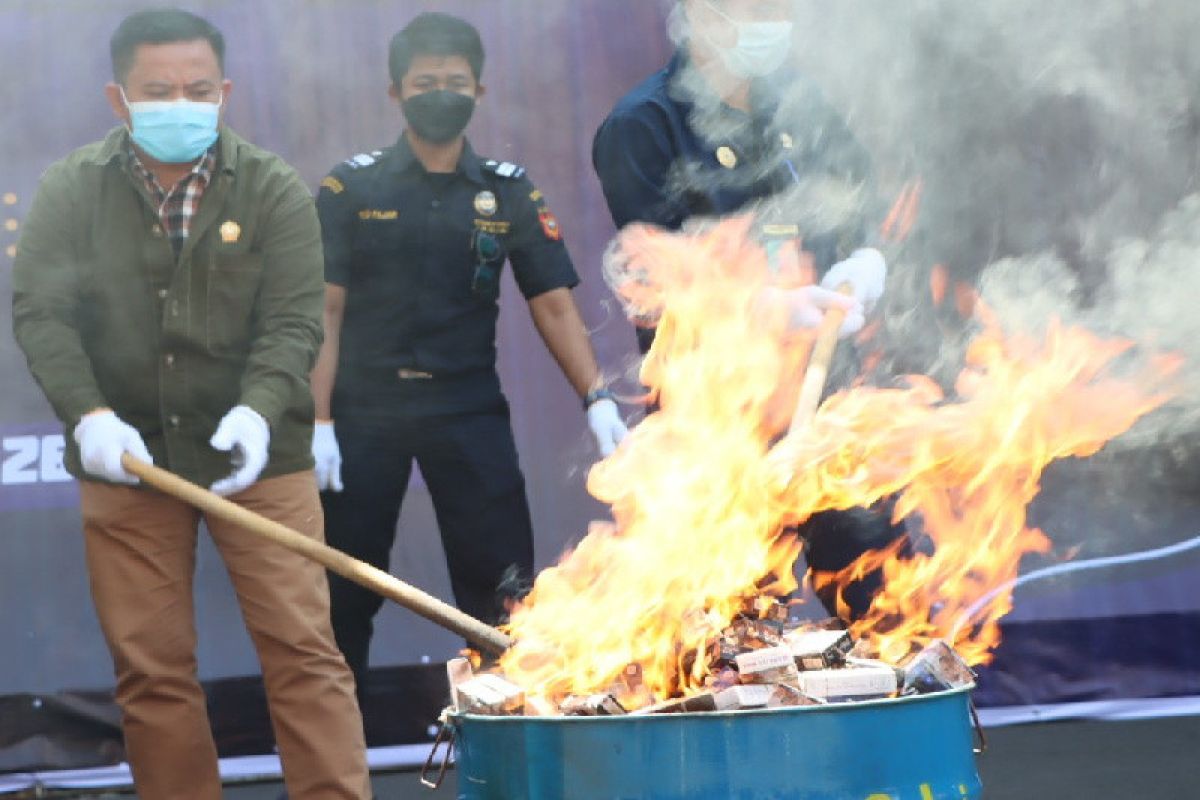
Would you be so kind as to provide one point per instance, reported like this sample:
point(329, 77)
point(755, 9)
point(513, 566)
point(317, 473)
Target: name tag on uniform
point(375, 213)
point(495, 226)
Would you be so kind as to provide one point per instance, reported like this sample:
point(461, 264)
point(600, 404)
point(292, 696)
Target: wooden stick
point(482, 635)
point(818, 365)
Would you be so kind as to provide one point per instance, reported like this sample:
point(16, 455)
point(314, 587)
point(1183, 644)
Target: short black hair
point(434, 34)
point(160, 26)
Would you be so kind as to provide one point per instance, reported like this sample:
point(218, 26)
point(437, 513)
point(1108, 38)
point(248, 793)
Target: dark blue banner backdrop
point(310, 82)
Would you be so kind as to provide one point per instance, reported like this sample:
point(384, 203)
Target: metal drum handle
point(977, 726)
point(445, 736)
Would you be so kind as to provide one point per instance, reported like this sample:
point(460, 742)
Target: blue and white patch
point(505, 169)
point(361, 160)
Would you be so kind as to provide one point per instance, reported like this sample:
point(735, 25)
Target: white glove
point(605, 421)
point(328, 456)
point(865, 270)
point(806, 307)
point(103, 438)
point(246, 434)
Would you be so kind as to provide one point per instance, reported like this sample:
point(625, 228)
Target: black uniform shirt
point(670, 151)
point(420, 256)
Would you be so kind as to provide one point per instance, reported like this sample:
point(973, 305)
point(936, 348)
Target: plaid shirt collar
point(177, 205)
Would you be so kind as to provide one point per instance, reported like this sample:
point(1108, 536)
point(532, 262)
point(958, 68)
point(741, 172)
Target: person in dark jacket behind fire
point(726, 127)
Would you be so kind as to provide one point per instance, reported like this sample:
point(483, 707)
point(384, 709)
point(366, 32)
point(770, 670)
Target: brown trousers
point(141, 556)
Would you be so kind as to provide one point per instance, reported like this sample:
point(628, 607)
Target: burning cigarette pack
point(725, 652)
point(813, 665)
point(771, 608)
point(783, 695)
point(768, 665)
point(723, 679)
point(819, 649)
point(760, 695)
point(491, 695)
point(598, 705)
point(862, 649)
point(751, 634)
point(826, 624)
point(458, 672)
point(775, 616)
point(851, 683)
point(936, 668)
point(705, 701)
point(630, 688)
point(748, 696)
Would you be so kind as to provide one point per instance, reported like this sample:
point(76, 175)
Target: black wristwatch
point(597, 394)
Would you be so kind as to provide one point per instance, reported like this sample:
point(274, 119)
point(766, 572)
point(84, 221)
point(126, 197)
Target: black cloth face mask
point(440, 115)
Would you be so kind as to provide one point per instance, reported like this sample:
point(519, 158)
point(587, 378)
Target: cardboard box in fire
point(597, 705)
point(490, 695)
point(937, 668)
point(819, 649)
point(768, 665)
point(746, 634)
point(812, 666)
point(757, 695)
point(853, 682)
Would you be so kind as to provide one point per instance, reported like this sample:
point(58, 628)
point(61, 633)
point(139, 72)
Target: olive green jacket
point(107, 316)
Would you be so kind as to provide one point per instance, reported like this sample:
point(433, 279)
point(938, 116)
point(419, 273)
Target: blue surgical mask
point(761, 47)
point(175, 131)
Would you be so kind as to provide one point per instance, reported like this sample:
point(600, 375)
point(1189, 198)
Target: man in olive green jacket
point(167, 292)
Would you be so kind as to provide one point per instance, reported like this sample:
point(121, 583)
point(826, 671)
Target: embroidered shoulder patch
point(360, 160)
point(550, 225)
point(505, 169)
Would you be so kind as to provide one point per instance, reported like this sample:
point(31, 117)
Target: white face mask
point(173, 131)
point(761, 47)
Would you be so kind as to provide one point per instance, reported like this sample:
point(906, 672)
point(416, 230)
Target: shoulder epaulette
point(504, 169)
point(363, 159)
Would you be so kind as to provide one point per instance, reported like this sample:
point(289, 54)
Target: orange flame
point(695, 530)
point(700, 507)
point(902, 216)
point(939, 279)
point(966, 470)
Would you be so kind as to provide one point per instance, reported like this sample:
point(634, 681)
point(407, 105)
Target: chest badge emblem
point(230, 231)
point(786, 140)
point(485, 204)
point(726, 157)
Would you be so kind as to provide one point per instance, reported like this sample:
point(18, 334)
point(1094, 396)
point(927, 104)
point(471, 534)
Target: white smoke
point(1058, 145)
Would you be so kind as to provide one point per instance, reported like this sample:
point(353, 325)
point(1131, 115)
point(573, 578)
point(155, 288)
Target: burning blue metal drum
point(910, 748)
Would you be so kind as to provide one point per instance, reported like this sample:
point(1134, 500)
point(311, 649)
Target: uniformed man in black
point(416, 236)
point(728, 127)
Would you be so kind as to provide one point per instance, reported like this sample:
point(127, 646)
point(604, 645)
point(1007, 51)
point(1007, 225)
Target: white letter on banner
point(19, 468)
point(52, 469)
